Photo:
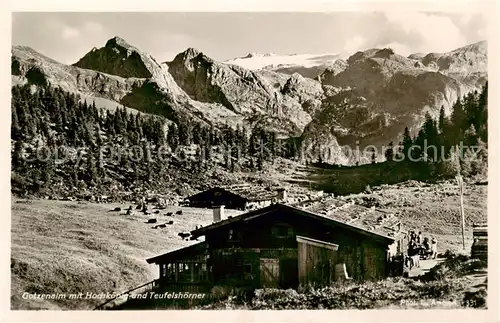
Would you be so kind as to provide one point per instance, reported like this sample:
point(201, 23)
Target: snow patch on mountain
point(255, 61)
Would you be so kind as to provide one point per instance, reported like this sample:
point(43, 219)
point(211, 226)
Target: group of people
point(421, 247)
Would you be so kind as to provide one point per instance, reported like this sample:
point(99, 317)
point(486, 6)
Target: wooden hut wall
point(316, 263)
point(250, 267)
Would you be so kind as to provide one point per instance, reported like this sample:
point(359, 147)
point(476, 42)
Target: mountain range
point(366, 99)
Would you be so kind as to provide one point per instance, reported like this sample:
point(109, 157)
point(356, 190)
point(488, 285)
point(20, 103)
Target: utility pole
point(460, 183)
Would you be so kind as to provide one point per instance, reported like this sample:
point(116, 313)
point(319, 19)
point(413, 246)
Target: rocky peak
point(120, 58)
point(190, 53)
point(117, 41)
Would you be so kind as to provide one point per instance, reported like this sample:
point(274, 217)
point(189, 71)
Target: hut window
point(232, 235)
point(282, 230)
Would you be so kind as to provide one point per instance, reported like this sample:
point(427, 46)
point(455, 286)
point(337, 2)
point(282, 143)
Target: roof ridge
point(339, 221)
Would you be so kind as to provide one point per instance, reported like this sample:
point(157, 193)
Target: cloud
point(465, 19)
point(92, 27)
point(436, 33)
point(70, 32)
point(483, 33)
point(354, 44)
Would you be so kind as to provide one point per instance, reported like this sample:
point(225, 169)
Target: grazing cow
point(117, 209)
point(179, 212)
point(169, 214)
point(152, 221)
point(157, 211)
point(163, 225)
point(170, 222)
point(184, 235)
point(155, 227)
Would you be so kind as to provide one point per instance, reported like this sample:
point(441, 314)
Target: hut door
point(317, 261)
point(269, 272)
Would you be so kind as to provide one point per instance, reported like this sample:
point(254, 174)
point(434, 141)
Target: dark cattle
point(152, 221)
point(117, 209)
point(130, 208)
point(170, 222)
point(163, 225)
point(155, 227)
point(169, 214)
point(178, 212)
point(184, 235)
point(157, 211)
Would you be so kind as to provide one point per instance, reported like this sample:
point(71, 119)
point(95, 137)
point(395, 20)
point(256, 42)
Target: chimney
point(218, 211)
point(281, 194)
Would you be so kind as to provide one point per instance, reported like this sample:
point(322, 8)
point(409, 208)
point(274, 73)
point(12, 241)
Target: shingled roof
point(346, 214)
point(370, 219)
point(248, 192)
point(252, 193)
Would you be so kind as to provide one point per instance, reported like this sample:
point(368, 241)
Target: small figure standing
point(434, 248)
point(427, 248)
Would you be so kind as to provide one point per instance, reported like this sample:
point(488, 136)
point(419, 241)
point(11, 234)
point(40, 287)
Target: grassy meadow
point(72, 247)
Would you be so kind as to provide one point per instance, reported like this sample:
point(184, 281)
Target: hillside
point(70, 247)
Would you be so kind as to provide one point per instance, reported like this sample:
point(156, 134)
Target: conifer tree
point(407, 143)
point(389, 153)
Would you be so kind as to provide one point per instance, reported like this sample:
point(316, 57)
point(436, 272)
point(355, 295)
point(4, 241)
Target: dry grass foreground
point(70, 247)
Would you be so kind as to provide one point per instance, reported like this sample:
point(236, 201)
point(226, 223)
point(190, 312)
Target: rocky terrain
point(367, 99)
point(259, 97)
point(371, 97)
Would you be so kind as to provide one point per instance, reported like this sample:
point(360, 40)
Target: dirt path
point(425, 266)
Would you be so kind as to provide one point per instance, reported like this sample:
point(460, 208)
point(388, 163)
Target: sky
point(68, 36)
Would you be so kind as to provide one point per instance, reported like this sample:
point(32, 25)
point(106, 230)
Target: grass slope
point(433, 209)
point(69, 247)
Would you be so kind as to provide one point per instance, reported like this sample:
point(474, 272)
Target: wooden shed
point(239, 197)
point(283, 246)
